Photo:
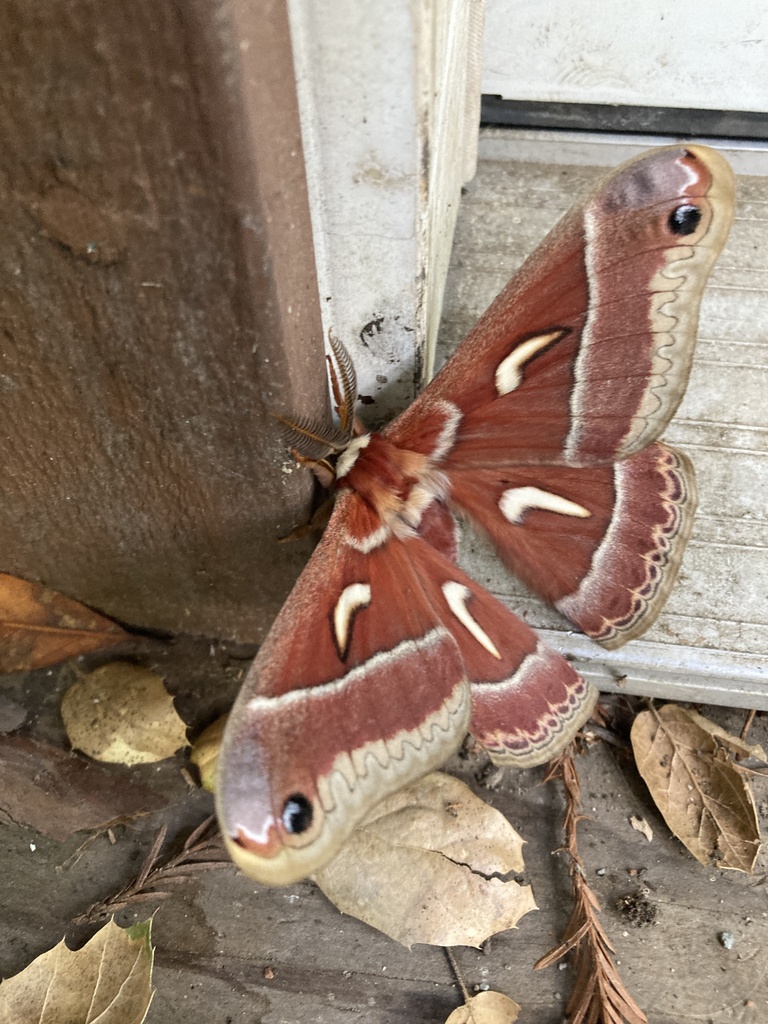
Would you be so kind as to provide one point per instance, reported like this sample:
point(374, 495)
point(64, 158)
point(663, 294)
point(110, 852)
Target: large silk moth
point(541, 430)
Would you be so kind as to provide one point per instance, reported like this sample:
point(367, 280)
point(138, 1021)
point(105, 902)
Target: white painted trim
point(659, 54)
point(668, 671)
point(389, 100)
point(600, 149)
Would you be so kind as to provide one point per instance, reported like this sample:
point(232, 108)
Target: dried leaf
point(704, 799)
point(735, 744)
point(486, 1008)
point(642, 826)
point(122, 713)
point(40, 627)
point(58, 793)
point(416, 868)
point(205, 753)
point(108, 981)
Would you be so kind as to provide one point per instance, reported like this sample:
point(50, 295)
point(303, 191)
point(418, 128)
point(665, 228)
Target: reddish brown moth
point(541, 430)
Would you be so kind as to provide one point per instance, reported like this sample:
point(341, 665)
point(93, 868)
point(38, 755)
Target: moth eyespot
point(684, 219)
point(297, 814)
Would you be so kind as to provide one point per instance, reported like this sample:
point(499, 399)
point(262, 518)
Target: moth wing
point(364, 684)
point(544, 420)
point(603, 545)
point(583, 358)
point(358, 690)
point(527, 701)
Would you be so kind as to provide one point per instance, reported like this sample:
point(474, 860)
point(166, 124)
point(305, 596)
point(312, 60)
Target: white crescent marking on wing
point(509, 371)
point(457, 595)
point(515, 502)
point(353, 597)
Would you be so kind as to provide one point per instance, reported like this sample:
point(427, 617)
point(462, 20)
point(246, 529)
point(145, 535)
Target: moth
point(541, 430)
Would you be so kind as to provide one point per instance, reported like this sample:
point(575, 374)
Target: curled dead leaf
point(417, 868)
point(40, 627)
point(706, 802)
point(735, 744)
point(109, 979)
point(486, 1008)
point(122, 713)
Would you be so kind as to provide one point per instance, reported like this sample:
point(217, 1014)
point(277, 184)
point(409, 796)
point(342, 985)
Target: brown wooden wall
point(158, 299)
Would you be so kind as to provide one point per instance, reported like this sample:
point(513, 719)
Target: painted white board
point(389, 99)
point(690, 53)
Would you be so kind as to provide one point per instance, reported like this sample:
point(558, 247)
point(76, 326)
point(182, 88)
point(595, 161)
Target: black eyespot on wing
point(684, 219)
point(297, 814)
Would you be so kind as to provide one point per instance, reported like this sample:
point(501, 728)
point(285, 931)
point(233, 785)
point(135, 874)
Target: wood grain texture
point(159, 302)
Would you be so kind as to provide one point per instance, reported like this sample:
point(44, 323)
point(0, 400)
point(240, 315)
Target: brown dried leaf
point(108, 981)
point(705, 800)
point(486, 1008)
point(205, 752)
point(58, 793)
point(416, 868)
point(735, 744)
point(122, 713)
point(40, 627)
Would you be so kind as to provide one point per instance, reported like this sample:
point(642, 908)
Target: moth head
point(273, 822)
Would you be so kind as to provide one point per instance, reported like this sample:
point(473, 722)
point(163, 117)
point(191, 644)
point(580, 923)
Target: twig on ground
point(598, 995)
point(748, 723)
point(203, 850)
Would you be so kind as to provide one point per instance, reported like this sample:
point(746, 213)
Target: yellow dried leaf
point(486, 1008)
point(205, 752)
point(417, 867)
point(108, 981)
point(705, 800)
point(122, 713)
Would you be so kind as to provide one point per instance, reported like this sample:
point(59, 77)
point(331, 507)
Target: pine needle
point(203, 850)
point(598, 995)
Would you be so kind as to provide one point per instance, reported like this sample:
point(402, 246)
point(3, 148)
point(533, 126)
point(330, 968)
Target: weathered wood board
point(159, 302)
